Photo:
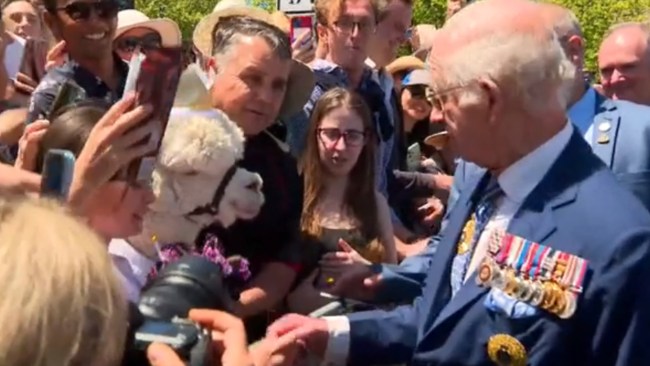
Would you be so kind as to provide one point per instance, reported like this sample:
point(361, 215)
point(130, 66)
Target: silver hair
point(231, 30)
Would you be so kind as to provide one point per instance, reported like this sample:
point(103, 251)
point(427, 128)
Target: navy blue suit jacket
point(579, 208)
point(625, 150)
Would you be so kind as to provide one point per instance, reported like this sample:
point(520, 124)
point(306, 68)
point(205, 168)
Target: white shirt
point(517, 182)
point(130, 266)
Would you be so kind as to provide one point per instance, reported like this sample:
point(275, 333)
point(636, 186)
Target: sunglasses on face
point(82, 11)
point(331, 136)
point(150, 41)
point(418, 91)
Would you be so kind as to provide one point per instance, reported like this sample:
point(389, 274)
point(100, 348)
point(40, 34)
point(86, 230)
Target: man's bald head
point(499, 80)
point(624, 62)
point(504, 39)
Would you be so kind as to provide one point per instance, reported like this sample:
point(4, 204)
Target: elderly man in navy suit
point(618, 132)
point(544, 260)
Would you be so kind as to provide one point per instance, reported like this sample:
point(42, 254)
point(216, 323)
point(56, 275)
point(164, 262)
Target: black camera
point(161, 314)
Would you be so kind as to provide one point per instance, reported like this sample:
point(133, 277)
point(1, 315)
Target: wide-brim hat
point(301, 77)
point(170, 34)
point(404, 63)
point(437, 140)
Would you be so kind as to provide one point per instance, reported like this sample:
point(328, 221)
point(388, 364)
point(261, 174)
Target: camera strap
point(213, 207)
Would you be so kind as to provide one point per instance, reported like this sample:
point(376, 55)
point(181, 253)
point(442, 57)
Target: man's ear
point(51, 22)
point(575, 49)
point(494, 97)
point(321, 31)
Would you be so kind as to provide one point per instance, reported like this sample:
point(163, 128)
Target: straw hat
point(301, 78)
point(169, 32)
point(404, 63)
point(437, 140)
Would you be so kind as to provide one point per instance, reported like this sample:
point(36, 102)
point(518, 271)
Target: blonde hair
point(63, 305)
point(282, 21)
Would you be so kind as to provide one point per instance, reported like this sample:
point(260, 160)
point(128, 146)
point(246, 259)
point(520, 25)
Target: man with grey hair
point(624, 63)
point(617, 130)
point(550, 267)
point(255, 82)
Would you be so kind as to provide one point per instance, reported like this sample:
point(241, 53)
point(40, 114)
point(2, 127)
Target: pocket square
point(499, 301)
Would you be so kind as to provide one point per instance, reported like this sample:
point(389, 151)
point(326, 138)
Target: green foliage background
point(595, 15)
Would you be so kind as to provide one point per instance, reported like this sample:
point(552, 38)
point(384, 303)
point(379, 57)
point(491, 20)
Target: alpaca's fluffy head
point(197, 151)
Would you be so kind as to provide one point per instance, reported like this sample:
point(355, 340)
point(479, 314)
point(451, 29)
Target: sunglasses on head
point(81, 11)
point(150, 41)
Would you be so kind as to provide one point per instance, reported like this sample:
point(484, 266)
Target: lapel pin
point(604, 127)
point(603, 138)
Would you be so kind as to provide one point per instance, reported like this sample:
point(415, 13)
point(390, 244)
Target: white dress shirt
point(131, 267)
point(517, 182)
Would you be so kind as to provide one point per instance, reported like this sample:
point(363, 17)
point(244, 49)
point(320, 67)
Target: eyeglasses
point(347, 26)
point(148, 42)
point(435, 98)
point(331, 136)
point(82, 11)
point(419, 91)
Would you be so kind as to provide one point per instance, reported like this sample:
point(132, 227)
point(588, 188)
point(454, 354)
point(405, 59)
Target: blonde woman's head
point(62, 304)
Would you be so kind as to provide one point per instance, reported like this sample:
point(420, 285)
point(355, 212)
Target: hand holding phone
point(301, 25)
point(154, 77)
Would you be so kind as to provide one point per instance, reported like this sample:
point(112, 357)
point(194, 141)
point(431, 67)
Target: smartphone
point(56, 177)
point(14, 56)
point(300, 25)
point(33, 60)
point(69, 93)
point(154, 77)
point(413, 157)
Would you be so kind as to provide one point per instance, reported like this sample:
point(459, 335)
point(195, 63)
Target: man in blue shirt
point(88, 29)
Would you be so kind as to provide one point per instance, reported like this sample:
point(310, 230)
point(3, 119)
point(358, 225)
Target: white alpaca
point(196, 180)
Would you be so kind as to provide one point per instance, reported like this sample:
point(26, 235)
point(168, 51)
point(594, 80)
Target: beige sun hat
point(169, 32)
point(404, 63)
point(301, 79)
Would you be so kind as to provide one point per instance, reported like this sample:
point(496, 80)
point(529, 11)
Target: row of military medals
point(533, 273)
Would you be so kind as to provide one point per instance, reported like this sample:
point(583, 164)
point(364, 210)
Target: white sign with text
point(296, 6)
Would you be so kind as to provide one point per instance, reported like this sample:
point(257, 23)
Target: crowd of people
point(478, 201)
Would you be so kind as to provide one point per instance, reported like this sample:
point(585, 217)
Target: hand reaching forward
point(230, 345)
point(114, 141)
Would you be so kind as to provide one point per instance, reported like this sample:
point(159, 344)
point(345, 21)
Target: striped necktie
point(472, 232)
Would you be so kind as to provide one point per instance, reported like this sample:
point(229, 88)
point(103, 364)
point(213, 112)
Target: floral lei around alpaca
point(236, 271)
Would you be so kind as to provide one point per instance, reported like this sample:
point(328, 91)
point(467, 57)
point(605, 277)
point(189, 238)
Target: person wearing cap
point(402, 66)
point(256, 83)
point(135, 29)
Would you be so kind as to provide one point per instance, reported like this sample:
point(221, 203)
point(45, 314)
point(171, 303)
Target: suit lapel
point(534, 221)
point(605, 129)
point(438, 295)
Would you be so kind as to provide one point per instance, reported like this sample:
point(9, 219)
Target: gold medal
point(537, 295)
point(550, 295)
point(511, 283)
point(485, 272)
point(526, 292)
point(570, 305)
point(518, 288)
point(499, 279)
point(505, 350)
point(466, 236)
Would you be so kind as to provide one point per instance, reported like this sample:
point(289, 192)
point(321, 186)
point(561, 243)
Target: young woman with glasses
point(345, 220)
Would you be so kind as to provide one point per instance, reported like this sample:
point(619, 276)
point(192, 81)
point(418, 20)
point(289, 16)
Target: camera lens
point(189, 283)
